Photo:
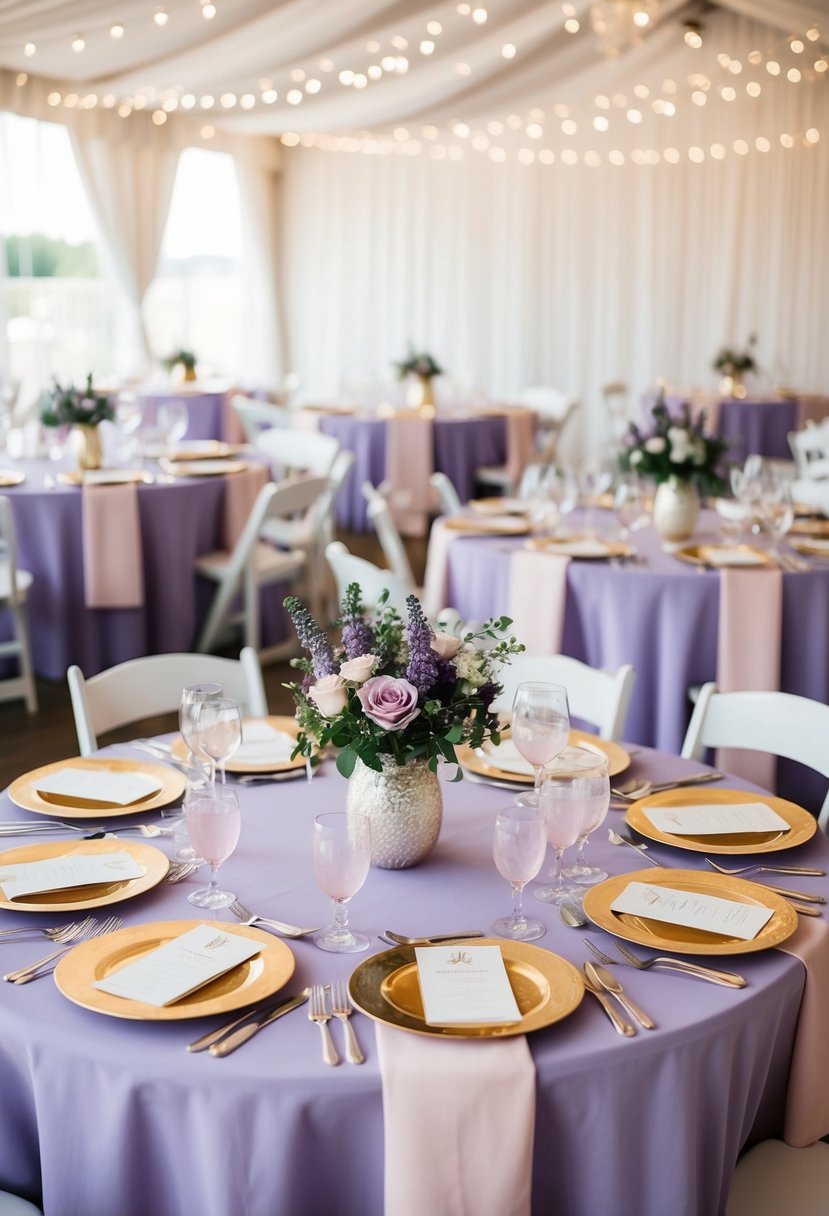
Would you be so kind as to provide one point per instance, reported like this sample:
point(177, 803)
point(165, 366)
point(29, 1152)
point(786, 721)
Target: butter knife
point(610, 984)
point(621, 1024)
point(237, 1037)
point(282, 1006)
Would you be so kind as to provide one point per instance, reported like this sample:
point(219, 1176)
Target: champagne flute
point(596, 802)
point(518, 848)
point(218, 725)
point(540, 727)
point(565, 797)
point(214, 822)
point(341, 854)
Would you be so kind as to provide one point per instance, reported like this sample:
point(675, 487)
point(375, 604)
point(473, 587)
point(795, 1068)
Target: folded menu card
point(58, 873)
point(263, 744)
point(582, 546)
point(690, 908)
point(716, 819)
point(179, 966)
point(506, 756)
point(464, 985)
point(104, 785)
point(724, 555)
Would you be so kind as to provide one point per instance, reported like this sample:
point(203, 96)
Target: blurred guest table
point(754, 425)
point(209, 413)
point(104, 1115)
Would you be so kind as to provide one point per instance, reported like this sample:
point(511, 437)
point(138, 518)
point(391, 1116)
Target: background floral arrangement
point(180, 358)
point(72, 406)
point(393, 688)
point(418, 365)
point(675, 447)
point(736, 362)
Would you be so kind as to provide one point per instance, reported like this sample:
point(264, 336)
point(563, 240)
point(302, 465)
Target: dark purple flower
point(422, 668)
point(312, 638)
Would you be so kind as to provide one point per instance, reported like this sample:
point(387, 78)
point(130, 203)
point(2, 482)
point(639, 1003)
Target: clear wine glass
point(540, 727)
point(341, 853)
point(630, 505)
point(564, 801)
point(776, 512)
point(596, 802)
point(518, 848)
point(173, 419)
point(191, 697)
point(214, 822)
point(218, 725)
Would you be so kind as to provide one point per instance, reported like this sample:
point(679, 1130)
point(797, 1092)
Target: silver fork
point(341, 1009)
point(55, 933)
point(33, 971)
point(246, 917)
point(729, 979)
point(814, 871)
point(317, 1012)
point(181, 869)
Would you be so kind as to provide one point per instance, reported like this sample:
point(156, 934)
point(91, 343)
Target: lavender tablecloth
point(205, 408)
point(752, 427)
point(461, 445)
point(99, 1116)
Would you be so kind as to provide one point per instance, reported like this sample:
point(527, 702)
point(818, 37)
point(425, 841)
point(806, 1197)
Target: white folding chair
point(255, 416)
point(14, 588)
point(774, 722)
point(145, 688)
point(600, 698)
point(14, 1205)
point(390, 539)
point(810, 448)
point(296, 451)
point(348, 568)
point(774, 1177)
point(253, 563)
point(448, 497)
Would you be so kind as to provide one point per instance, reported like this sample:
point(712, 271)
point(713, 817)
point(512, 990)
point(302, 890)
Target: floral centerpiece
point(423, 368)
point(83, 410)
point(395, 697)
point(733, 364)
point(184, 359)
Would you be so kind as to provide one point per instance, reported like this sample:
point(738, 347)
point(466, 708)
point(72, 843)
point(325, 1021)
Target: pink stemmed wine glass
point(341, 854)
point(540, 727)
point(569, 797)
point(214, 822)
point(518, 848)
point(596, 804)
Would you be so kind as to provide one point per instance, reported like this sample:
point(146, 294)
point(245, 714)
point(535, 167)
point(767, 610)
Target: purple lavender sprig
point(422, 668)
point(312, 638)
point(358, 635)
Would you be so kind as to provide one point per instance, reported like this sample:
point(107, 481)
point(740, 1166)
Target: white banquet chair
point(774, 1177)
point(600, 698)
point(14, 589)
point(391, 542)
point(777, 723)
point(147, 687)
point(810, 448)
point(448, 497)
point(348, 568)
point(15, 1205)
point(255, 416)
point(295, 451)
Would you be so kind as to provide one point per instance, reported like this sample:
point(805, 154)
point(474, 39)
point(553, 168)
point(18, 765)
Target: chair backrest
point(448, 496)
point(810, 448)
point(299, 451)
point(552, 431)
point(390, 539)
point(348, 568)
point(275, 502)
point(256, 416)
point(8, 556)
point(548, 403)
point(778, 723)
point(144, 688)
point(598, 697)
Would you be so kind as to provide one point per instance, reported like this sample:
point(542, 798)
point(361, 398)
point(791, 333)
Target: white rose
point(656, 444)
point(330, 695)
point(636, 457)
point(468, 667)
point(358, 670)
point(445, 645)
point(680, 446)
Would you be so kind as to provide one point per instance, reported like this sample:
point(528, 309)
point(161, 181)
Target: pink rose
point(358, 670)
point(330, 695)
point(390, 703)
point(445, 645)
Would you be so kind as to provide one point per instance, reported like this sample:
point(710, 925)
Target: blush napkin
point(232, 431)
point(241, 490)
point(538, 598)
point(807, 1098)
point(459, 1120)
point(748, 655)
point(520, 425)
point(410, 462)
point(113, 564)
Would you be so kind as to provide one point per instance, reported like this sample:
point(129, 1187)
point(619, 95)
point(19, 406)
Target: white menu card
point(75, 870)
point(723, 555)
point(263, 744)
point(692, 909)
point(716, 819)
point(465, 985)
point(179, 966)
point(505, 756)
point(105, 785)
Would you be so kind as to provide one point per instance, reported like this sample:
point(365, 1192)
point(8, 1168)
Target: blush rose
point(330, 695)
point(389, 702)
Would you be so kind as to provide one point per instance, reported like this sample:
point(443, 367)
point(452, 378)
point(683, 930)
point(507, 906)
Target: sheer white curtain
point(257, 171)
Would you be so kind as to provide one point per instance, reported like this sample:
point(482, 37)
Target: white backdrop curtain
point(257, 171)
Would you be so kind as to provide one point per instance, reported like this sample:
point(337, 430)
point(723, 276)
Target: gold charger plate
point(203, 468)
point(206, 449)
point(810, 527)
point(108, 477)
point(71, 899)
point(288, 725)
point(547, 988)
point(258, 977)
point(816, 546)
point(679, 938)
point(617, 758)
point(705, 555)
point(23, 790)
point(11, 477)
point(508, 525)
point(568, 546)
point(803, 825)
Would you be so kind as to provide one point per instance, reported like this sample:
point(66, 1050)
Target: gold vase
point(88, 449)
point(732, 385)
point(420, 392)
point(189, 374)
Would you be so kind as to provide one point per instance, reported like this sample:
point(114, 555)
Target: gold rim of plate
point(680, 939)
point(802, 825)
point(701, 555)
point(617, 758)
point(288, 725)
point(817, 547)
point(208, 449)
point(507, 525)
point(108, 477)
point(203, 468)
point(72, 899)
point(23, 790)
point(546, 987)
point(560, 545)
point(11, 477)
point(253, 980)
point(810, 527)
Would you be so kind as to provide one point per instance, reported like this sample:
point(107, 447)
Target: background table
point(758, 426)
point(208, 414)
point(100, 1115)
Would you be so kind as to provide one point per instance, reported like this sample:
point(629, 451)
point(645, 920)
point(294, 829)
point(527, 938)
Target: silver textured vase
point(404, 807)
point(675, 509)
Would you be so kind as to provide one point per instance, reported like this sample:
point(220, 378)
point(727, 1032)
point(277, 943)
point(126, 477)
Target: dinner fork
point(341, 1009)
point(318, 1012)
point(33, 971)
point(246, 917)
point(729, 979)
point(813, 871)
point(55, 933)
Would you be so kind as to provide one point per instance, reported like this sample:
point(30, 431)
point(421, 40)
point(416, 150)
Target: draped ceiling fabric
point(424, 205)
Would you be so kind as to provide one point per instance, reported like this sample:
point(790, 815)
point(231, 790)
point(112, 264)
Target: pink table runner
point(807, 1098)
point(410, 463)
point(232, 431)
point(113, 566)
point(241, 490)
point(520, 443)
point(537, 599)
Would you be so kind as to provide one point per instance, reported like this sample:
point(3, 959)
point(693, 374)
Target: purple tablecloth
point(752, 427)
point(461, 445)
point(101, 1116)
point(205, 409)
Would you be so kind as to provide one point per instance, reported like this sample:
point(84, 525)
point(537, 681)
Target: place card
point(180, 966)
point(716, 819)
point(73, 870)
point(693, 910)
point(578, 547)
point(465, 985)
point(507, 757)
point(105, 785)
point(263, 744)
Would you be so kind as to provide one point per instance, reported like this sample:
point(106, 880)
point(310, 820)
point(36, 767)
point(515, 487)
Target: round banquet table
point(461, 445)
point(102, 1115)
point(180, 520)
point(208, 416)
point(758, 426)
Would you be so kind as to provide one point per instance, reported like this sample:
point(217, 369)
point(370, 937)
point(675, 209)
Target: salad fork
point(55, 933)
point(729, 979)
point(341, 1009)
point(813, 871)
point(318, 1013)
point(246, 917)
point(94, 929)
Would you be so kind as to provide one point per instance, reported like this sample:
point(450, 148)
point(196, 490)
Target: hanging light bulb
point(620, 24)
